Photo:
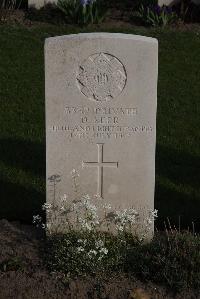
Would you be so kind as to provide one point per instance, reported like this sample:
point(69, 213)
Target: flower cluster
point(47, 207)
point(74, 173)
point(87, 213)
point(87, 234)
point(154, 15)
point(86, 2)
point(91, 214)
point(95, 236)
point(86, 216)
point(161, 9)
point(37, 220)
point(98, 252)
point(83, 11)
point(127, 217)
point(152, 216)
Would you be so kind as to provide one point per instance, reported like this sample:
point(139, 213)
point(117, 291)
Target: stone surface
point(173, 2)
point(167, 2)
point(41, 3)
point(101, 95)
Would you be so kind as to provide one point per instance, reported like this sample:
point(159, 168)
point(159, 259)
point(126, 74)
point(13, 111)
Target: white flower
point(97, 196)
point(149, 221)
point(85, 202)
point(67, 242)
point(64, 198)
point(37, 219)
point(154, 213)
point(152, 216)
point(99, 244)
point(107, 206)
point(88, 227)
point(104, 250)
point(100, 258)
point(73, 207)
point(94, 222)
point(91, 208)
point(90, 221)
point(88, 205)
point(92, 252)
point(120, 228)
point(47, 207)
point(74, 173)
point(80, 249)
point(127, 216)
point(85, 225)
point(86, 197)
point(48, 226)
point(82, 241)
point(62, 208)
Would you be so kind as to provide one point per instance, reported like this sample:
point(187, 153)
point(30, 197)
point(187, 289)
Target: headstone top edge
point(96, 35)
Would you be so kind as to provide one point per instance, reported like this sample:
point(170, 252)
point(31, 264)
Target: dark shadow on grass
point(178, 166)
point(178, 207)
point(182, 171)
point(19, 203)
point(23, 154)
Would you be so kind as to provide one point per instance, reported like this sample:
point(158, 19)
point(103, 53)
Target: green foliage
point(7, 8)
point(188, 11)
point(95, 236)
point(171, 259)
point(78, 253)
point(184, 9)
point(194, 13)
point(156, 16)
point(50, 13)
point(12, 264)
point(76, 12)
point(146, 3)
point(71, 9)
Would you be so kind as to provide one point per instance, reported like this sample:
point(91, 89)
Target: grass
point(22, 133)
point(171, 259)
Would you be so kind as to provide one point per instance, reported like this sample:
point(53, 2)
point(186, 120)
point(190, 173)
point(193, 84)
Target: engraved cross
point(100, 164)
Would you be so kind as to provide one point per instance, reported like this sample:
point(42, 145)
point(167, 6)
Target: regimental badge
point(101, 77)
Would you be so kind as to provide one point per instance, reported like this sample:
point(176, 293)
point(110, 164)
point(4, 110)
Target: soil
point(23, 273)
point(50, 15)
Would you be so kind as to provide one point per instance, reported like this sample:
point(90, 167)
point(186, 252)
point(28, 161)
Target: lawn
point(22, 119)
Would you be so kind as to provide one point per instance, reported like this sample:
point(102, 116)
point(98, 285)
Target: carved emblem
point(101, 77)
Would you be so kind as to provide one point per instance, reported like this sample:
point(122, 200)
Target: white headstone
point(101, 96)
point(41, 3)
point(174, 2)
point(167, 2)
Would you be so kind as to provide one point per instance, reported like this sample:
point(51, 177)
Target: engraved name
point(102, 110)
point(100, 122)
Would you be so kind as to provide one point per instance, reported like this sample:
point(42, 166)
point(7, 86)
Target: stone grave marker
point(42, 3)
point(101, 97)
